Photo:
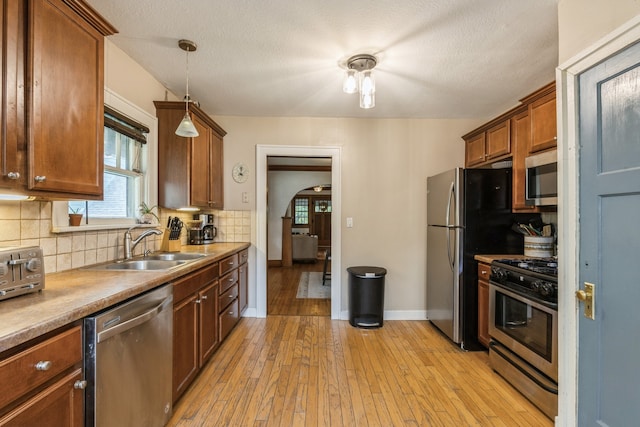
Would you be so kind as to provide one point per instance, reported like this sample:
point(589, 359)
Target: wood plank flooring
point(298, 367)
point(282, 287)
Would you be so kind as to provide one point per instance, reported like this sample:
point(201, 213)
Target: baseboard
point(274, 263)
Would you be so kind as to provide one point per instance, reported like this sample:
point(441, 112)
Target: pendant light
point(359, 78)
point(186, 127)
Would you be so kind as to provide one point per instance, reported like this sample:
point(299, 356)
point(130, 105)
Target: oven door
point(527, 328)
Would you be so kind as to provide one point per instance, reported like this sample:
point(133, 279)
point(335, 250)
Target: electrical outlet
point(245, 197)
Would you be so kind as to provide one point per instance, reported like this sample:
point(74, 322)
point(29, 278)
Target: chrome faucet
point(130, 244)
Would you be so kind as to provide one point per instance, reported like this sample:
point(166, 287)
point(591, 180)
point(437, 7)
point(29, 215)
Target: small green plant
point(73, 210)
point(145, 210)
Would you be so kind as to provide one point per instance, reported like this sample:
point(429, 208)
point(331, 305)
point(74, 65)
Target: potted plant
point(147, 214)
point(75, 216)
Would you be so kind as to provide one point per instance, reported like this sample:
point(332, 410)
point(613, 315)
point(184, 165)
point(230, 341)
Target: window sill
point(99, 227)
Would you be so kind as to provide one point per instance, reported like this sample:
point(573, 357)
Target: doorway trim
point(264, 151)
point(568, 213)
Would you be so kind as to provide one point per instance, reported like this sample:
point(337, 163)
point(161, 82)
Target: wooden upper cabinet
point(474, 150)
point(52, 98)
point(190, 170)
point(489, 143)
point(521, 135)
point(544, 128)
point(66, 128)
point(498, 140)
point(12, 100)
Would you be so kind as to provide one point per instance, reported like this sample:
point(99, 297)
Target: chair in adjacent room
point(326, 273)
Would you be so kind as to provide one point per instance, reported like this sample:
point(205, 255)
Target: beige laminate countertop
point(74, 294)
point(490, 258)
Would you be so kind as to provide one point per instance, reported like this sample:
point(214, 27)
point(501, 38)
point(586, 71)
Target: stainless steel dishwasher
point(128, 362)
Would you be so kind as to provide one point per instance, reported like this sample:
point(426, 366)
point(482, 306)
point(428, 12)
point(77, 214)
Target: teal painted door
point(609, 346)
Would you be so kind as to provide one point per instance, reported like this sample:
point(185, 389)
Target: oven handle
point(495, 347)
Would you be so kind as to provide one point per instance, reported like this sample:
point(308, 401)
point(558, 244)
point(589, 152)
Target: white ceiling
point(436, 58)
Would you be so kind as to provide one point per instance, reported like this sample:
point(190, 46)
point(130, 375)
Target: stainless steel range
point(523, 325)
point(21, 271)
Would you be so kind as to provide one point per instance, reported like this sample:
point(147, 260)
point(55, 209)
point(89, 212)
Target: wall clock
point(240, 172)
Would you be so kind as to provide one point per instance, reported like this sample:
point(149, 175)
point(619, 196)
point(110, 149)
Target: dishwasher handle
point(132, 323)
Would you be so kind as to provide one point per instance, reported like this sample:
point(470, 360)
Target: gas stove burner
point(535, 277)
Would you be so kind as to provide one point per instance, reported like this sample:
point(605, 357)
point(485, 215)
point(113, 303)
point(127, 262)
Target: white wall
point(384, 171)
point(581, 23)
point(283, 185)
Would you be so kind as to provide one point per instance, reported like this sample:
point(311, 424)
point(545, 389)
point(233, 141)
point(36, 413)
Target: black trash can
point(366, 296)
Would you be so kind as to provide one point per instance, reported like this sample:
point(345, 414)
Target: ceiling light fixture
point(186, 127)
point(359, 78)
point(317, 188)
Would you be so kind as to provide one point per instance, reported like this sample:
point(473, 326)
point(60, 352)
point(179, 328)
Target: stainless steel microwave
point(542, 179)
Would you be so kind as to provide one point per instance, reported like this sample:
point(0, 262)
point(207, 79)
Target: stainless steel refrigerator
point(468, 213)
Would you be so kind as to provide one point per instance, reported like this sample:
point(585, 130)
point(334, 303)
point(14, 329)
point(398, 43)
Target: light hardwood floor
point(304, 370)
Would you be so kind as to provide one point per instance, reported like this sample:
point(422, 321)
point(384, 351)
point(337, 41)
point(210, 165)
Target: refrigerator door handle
point(451, 194)
point(449, 226)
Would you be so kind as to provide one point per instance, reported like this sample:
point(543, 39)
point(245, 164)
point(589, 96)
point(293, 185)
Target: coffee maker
point(201, 229)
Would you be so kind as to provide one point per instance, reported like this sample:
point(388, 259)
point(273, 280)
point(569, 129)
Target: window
point(322, 206)
point(301, 211)
point(129, 169)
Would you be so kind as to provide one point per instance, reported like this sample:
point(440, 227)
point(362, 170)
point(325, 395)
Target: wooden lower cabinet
point(484, 271)
point(61, 404)
point(195, 331)
point(42, 384)
point(207, 306)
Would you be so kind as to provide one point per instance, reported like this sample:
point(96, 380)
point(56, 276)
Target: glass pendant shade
point(350, 84)
point(367, 100)
point(186, 127)
point(367, 83)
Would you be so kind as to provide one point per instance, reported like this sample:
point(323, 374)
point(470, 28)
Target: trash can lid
point(365, 272)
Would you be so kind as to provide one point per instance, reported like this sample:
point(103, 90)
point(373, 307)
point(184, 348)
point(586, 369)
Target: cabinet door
point(209, 334)
point(66, 103)
point(60, 405)
point(474, 150)
point(498, 140)
point(243, 291)
point(200, 164)
point(216, 180)
point(484, 270)
point(185, 345)
point(521, 133)
point(543, 123)
point(12, 100)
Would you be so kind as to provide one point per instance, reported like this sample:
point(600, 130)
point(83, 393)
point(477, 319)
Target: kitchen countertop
point(73, 294)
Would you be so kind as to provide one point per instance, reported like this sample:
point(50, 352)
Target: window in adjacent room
point(301, 211)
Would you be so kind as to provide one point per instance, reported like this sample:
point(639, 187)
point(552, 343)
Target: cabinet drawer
point(226, 297)
point(244, 256)
point(229, 318)
point(185, 286)
point(228, 280)
point(484, 271)
point(38, 364)
point(228, 264)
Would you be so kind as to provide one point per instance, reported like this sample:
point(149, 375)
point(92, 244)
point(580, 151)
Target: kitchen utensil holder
point(538, 246)
point(170, 245)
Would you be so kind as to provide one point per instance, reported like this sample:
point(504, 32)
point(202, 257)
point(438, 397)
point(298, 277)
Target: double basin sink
point(156, 261)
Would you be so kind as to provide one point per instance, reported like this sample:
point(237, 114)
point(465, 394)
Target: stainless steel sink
point(174, 256)
point(153, 262)
point(139, 264)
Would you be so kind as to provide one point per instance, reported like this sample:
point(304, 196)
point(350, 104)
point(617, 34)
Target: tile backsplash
point(29, 224)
